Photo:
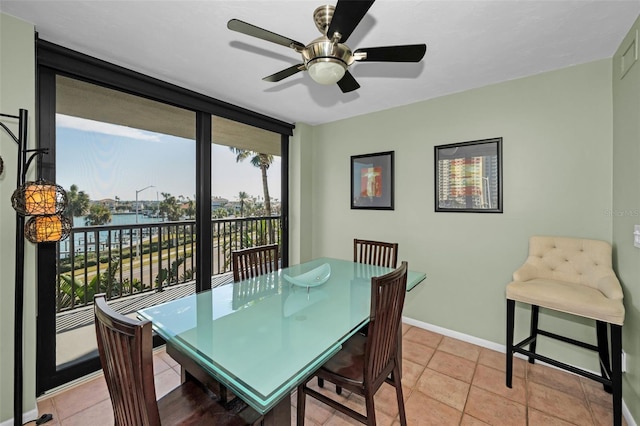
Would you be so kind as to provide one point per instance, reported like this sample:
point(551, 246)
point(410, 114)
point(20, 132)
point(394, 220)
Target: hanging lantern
point(51, 228)
point(39, 198)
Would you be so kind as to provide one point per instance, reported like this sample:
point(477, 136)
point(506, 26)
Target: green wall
point(570, 165)
point(626, 202)
point(17, 90)
point(557, 142)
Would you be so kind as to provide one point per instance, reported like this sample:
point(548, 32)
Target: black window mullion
point(204, 240)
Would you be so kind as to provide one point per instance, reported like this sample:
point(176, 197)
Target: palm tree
point(243, 197)
point(170, 206)
point(99, 214)
point(77, 202)
point(262, 161)
point(190, 211)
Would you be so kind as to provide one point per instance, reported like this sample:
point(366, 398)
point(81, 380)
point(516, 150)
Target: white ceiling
point(469, 44)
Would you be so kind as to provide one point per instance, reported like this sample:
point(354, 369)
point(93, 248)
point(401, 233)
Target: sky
point(106, 160)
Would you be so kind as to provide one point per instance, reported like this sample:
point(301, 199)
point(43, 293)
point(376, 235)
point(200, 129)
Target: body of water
point(103, 236)
point(120, 219)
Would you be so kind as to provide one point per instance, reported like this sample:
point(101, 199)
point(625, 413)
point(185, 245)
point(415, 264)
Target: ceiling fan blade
point(252, 30)
point(406, 53)
point(281, 75)
point(347, 16)
point(348, 83)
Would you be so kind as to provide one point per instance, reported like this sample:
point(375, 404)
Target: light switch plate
point(636, 236)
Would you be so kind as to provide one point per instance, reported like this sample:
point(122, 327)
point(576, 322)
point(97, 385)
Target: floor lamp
point(44, 202)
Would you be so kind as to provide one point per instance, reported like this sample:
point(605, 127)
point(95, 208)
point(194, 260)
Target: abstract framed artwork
point(372, 181)
point(468, 177)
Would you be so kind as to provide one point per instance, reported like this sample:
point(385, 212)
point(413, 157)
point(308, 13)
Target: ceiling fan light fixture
point(326, 70)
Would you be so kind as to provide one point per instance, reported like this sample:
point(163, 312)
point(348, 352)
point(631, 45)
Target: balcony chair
point(125, 346)
point(574, 276)
point(366, 362)
point(254, 261)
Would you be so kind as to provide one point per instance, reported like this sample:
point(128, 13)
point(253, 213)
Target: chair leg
point(371, 410)
point(616, 372)
point(398, 385)
point(511, 307)
point(301, 408)
point(535, 310)
point(603, 352)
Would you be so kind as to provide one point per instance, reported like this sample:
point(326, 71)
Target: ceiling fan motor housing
point(323, 50)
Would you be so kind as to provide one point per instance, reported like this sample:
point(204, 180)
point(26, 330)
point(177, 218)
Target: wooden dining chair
point(366, 362)
point(254, 261)
point(377, 253)
point(125, 346)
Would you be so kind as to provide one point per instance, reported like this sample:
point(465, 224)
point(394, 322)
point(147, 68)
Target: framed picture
point(372, 181)
point(468, 177)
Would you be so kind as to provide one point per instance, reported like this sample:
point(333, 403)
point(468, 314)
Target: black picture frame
point(468, 177)
point(372, 180)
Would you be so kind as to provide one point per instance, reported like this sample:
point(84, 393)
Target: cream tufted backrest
point(573, 260)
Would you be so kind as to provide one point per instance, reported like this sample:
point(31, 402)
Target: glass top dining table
point(263, 336)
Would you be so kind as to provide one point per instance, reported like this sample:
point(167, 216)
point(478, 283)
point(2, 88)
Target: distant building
point(217, 202)
point(107, 202)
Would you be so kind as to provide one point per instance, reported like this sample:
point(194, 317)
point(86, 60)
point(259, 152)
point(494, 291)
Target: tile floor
point(445, 382)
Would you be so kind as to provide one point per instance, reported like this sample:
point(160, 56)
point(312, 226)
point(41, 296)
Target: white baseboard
point(493, 346)
point(26, 417)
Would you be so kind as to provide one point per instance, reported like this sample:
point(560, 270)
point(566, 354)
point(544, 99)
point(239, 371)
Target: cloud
point(105, 128)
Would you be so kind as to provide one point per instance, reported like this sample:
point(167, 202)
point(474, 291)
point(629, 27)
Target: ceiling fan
point(327, 57)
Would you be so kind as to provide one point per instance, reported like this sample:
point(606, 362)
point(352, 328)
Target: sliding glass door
point(146, 166)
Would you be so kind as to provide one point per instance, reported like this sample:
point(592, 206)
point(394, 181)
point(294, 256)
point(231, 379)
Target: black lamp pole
point(21, 140)
point(44, 202)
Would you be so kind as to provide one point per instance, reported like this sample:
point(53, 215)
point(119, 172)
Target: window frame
point(53, 60)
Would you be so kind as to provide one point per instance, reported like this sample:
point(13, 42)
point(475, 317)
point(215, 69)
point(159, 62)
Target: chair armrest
point(610, 286)
point(525, 273)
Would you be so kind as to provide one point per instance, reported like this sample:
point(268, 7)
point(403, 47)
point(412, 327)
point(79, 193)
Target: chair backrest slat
point(125, 347)
point(377, 253)
point(387, 300)
point(254, 261)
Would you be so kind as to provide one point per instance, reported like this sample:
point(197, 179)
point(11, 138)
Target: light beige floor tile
point(411, 372)
point(538, 418)
point(452, 365)
point(595, 392)
point(494, 409)
point(424, 411)
point(603, 416)
point(556, 379)
point(497, 360)
point(46, 406)
point(165, 382)
point(81, 397)
point(468, 420)
point(424, 337)
point(416, 352)
point(493, 380)
point(460, 348)
point(98, 414)
point(558, 404)
point(443, 388)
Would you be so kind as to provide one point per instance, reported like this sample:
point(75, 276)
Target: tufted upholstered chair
point(575, 276)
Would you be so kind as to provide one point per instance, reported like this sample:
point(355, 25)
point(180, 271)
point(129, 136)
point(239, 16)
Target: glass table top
point(261, 337)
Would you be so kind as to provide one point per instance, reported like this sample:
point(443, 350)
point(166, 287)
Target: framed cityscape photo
point(468, 177)
point(372, 181)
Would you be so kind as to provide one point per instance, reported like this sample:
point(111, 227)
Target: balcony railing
point(129, 259)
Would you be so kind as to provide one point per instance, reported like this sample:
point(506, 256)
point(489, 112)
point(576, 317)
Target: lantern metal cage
point(50, 228)
point(39, 198)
